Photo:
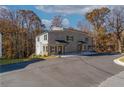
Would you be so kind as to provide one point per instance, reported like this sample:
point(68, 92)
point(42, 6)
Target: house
point(62, 41)
point(0, 45)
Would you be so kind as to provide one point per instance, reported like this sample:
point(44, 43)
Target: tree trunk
point(119, 46)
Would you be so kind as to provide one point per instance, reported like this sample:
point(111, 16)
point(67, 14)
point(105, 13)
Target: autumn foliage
point(19, 30)
point(107, 28)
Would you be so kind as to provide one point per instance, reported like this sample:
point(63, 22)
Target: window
point(43, 48)
point(69, 38)
point(45, 37)
point(46, 48)
point(86, 39)
point(38, 39)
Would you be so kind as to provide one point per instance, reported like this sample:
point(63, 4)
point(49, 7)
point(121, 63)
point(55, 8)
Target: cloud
point(3, 10)
point(3, 7)
point(65, 23)
point(47, 23)
point(68, 9)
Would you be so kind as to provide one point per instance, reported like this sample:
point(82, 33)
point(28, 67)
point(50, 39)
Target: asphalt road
point(74, 71)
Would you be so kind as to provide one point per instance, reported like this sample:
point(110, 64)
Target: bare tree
point(83, 27)
point(116, 24)
point(57, 21)
point(80, 25)
point(30, 25)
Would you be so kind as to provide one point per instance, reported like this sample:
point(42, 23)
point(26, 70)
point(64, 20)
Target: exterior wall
point(40, 43)
point(72, 46)
point(0, 45)
point(61, 35)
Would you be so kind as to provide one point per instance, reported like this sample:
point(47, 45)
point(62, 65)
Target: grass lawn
point(43, 57)
point(12, 61)
point(121, 59)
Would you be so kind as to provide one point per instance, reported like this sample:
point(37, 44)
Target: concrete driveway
point(74, 71)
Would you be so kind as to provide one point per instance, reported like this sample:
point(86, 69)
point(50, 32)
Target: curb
point(114, 81)
point(122, 53)
point(117, 61)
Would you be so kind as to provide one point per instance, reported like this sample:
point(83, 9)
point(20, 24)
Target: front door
point(60, 49)
point(79, 47)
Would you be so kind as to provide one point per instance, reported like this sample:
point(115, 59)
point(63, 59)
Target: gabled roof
point(69, 30)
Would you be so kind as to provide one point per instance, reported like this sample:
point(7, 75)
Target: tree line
point(108, 27)
point(19, 29)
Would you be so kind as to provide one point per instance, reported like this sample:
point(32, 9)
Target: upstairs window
point(86, 39)
point(69, 38)
point(45, 37)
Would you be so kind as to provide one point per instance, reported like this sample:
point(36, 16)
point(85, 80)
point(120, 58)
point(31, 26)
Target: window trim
point(44, 49)
point(45, 37)
point(69, 38)
point(86, 39)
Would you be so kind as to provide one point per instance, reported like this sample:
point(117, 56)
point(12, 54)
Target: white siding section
point(40, 42)
point(0, 45)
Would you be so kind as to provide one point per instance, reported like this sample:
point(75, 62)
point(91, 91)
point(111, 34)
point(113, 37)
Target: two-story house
point(62, 41)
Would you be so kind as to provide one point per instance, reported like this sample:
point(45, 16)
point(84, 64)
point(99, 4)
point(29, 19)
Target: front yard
point(4, 61)
point(76, 71)
point(12, 61)
point(121, 59)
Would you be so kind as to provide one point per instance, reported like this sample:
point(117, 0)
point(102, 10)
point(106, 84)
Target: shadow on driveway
point(16, 66)
point(101, 54)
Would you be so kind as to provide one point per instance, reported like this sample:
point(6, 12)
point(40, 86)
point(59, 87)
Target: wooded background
point(19, 29)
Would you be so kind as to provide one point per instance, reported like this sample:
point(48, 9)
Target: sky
point(71, 14)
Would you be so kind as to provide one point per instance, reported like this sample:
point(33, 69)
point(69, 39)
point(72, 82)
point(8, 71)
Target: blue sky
point(71, 14)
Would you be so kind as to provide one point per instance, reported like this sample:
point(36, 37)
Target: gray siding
point(72, 46)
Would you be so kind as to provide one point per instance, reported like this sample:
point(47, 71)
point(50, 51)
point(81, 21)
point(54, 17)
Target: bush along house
point(62, 41)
